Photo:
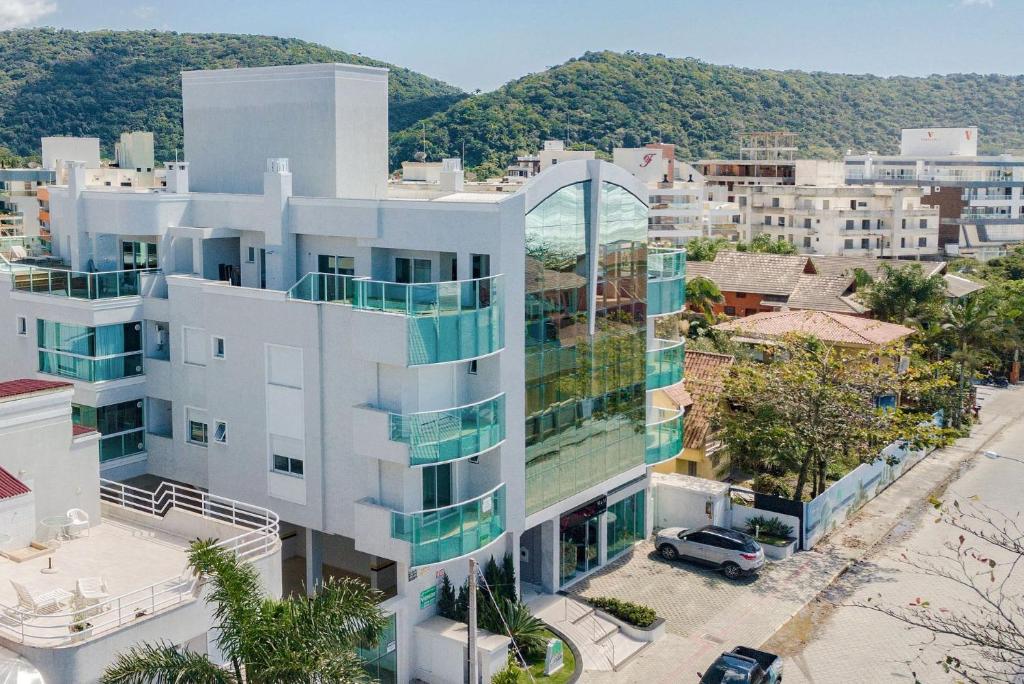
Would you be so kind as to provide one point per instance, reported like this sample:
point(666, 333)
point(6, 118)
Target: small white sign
point(555, 657)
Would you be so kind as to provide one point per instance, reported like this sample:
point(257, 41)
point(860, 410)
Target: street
point(831, 640)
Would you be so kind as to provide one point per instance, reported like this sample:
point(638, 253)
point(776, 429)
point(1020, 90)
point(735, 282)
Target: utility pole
point(473, 677)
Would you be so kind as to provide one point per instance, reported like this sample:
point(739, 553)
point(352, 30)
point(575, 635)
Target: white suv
point(734, 553)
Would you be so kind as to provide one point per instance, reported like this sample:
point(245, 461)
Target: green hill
point(55, 82)
point(607, 99)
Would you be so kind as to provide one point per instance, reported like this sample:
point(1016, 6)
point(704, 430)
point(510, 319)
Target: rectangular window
point(22, 325)
point(730, 311)
point(472, 367)
point(862, 204)
point(924, 223)
point(767, 220)
point(138, 255)
point(904, 224)
point(849, 224)
point(922, 242)
point(218, 347)
point(251, 255)
point(194, 344)
point(220, 432)
point(481, 265)
point(197, 432)
point(807, 223)
point(741, 295)
point(775, 201)
point(903, 242)
point(865, 243)
point(848, 244)
point(338, 265)
point(782, 220)
point(122, 427)
point(288, 465)
point(807, 242)
point(865, 224)
point(824, 204)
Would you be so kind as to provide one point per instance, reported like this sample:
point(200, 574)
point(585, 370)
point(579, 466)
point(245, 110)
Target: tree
point(765, 244)
point(702, 294)
point(814, 411)
point(705, 249)
point(985, 561)
point(904, 294)
point(973, 326)
point(265, 640)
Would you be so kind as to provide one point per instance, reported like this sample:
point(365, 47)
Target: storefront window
point(625, 523)
point(381, 661)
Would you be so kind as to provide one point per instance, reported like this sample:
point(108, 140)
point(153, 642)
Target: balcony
point(666, 281)
point(79, 284)
point(665, 363)
point(447, 321)
point(450, 434)
point(140, 547)
point(664, 435)
point(89, 368)
point(445, 533)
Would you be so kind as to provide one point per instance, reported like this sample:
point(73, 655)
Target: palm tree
point(903, 293)
point(702, 294)
point(973, 325)
point(264, 640)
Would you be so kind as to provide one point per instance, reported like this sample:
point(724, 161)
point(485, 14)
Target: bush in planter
point(769, 525)
point(632, 613)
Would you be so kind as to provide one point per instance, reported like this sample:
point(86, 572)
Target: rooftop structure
point(91, 567)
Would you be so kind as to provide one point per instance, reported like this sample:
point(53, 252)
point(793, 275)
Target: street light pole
point(473, 676)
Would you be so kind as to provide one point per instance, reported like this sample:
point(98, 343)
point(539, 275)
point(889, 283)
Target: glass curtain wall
point(624, 522)
point(122, 426)
point(585, 370)
point(108, 352)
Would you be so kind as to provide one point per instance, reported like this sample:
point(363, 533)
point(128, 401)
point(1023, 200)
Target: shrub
point(770, 484)
point(769, 525)
point(508, 674)
point(528, 632)
point(633, 613)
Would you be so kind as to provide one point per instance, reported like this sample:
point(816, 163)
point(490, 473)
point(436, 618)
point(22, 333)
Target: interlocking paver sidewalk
point(706, 614)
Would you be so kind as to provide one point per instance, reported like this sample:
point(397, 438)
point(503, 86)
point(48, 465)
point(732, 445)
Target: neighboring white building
point(373, 363)
point(678, 196)
point(525, 167)
point(979, 197)
point(132, 543)
point(135, 151)
point(847, 220)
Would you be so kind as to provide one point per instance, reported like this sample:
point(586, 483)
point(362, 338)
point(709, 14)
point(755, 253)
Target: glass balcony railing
point(453, 531)
point(665, 363)
point(448, 321)
point(664, 435)
point(113, 447)
point(90, 369)
point(666, 281)
point(450, 434)
point(78, 284)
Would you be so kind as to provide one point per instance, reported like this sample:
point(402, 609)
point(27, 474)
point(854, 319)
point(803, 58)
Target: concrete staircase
point(603, 645)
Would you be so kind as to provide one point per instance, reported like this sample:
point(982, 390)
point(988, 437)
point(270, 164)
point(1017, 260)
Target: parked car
point(734, 553)
point(744, 665)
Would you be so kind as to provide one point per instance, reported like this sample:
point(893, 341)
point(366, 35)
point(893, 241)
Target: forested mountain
point(100, 83)
point(606, 99)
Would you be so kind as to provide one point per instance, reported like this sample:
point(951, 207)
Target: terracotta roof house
point(705, 374)
point(754, 283)
point(840, 330)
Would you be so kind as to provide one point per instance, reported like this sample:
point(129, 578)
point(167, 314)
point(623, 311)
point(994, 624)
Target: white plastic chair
point(41, 602)
point(78, 523)
point(90, 591)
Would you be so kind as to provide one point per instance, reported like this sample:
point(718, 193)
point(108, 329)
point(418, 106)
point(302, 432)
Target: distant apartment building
point(677, 193)
point(979, 197)
point(409, 374)
point(524, 167)
point(847, 220)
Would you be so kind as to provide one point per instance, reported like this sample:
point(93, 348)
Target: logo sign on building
point(555, 657)
point(428, 597)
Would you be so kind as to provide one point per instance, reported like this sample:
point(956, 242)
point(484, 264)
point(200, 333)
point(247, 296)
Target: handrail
point(81, 284)
point(445, 410)
point(672, 415)
point(261, 539)
point(429, 511)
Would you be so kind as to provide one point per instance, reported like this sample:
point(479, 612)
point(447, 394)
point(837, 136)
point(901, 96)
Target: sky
point(480, 44)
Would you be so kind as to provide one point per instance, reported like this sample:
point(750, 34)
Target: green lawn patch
point(536, 666)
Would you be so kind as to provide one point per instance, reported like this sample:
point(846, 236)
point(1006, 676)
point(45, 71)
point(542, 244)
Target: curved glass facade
point(586, 294)
point(664, 435)
point(665, 363)
point(451, 434)
point(666, 281)
point(445, 533)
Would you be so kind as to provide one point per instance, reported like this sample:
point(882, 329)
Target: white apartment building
point(677, 194)
point(847, 220)
point(374, 363)
point(553, 152)
point(75, 591)
point(979, 196)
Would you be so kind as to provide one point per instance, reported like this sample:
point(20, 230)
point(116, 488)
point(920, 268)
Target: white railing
point(54, 629)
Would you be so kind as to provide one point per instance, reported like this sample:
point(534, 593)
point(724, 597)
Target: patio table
point(57, 525)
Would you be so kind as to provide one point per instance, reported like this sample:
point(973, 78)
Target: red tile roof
point(15, 389)
point(79, 430)
point(11, 486)
point(705, 378)
point(833, 328)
